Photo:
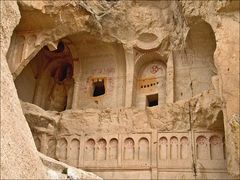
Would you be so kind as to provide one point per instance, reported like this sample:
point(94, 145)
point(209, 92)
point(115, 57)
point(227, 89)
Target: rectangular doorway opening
point(152, 100)
point(98, 88)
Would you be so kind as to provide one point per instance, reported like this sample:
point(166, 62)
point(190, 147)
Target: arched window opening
point(150, 82)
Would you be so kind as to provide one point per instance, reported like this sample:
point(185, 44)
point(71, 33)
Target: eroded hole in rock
point(98, 88)
point(152, 100)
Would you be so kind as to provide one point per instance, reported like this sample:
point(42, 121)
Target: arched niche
point(149, 81)
point(62, 145)
point(74, 152)
point(102, 149)
point(143, 149)
point(163, 148)
point(202, 147)
point(47, 80)
point(216, 147)
point(113, 149)
point(102, 73)
point(174, 147)
point(194, 66)
point(129, 149)
point(184, 148)
point(89, 153)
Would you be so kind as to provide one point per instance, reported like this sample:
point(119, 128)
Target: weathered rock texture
point(19, 156)
point(202, 111)
point(60, 170)
point(87, 71)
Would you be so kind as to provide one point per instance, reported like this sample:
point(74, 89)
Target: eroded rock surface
point(19, 156)
point(201, 111)
point(60, 170)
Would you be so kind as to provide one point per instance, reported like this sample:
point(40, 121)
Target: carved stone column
point(129, 75)
point(75, 94)
point(76, 77)
point(170, 79)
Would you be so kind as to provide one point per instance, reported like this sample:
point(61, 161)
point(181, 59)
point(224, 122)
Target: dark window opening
point(152, 100)
point(98, 88)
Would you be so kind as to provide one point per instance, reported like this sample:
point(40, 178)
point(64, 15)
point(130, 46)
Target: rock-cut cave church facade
point(99, 90)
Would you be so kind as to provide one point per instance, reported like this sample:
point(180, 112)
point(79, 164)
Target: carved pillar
point(154, 148)
point(68, 149)
point(208, 149)
point(120, 152)
point(44, 143)
point(129, 56)
point(82, 148)
point(75, 95)
point(154, 155)
point(170, 80)
point(76, 75)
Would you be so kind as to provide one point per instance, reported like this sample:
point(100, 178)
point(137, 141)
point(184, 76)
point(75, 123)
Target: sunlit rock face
point(131, 89)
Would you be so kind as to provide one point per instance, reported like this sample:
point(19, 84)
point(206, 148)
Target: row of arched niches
point(167, 150)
